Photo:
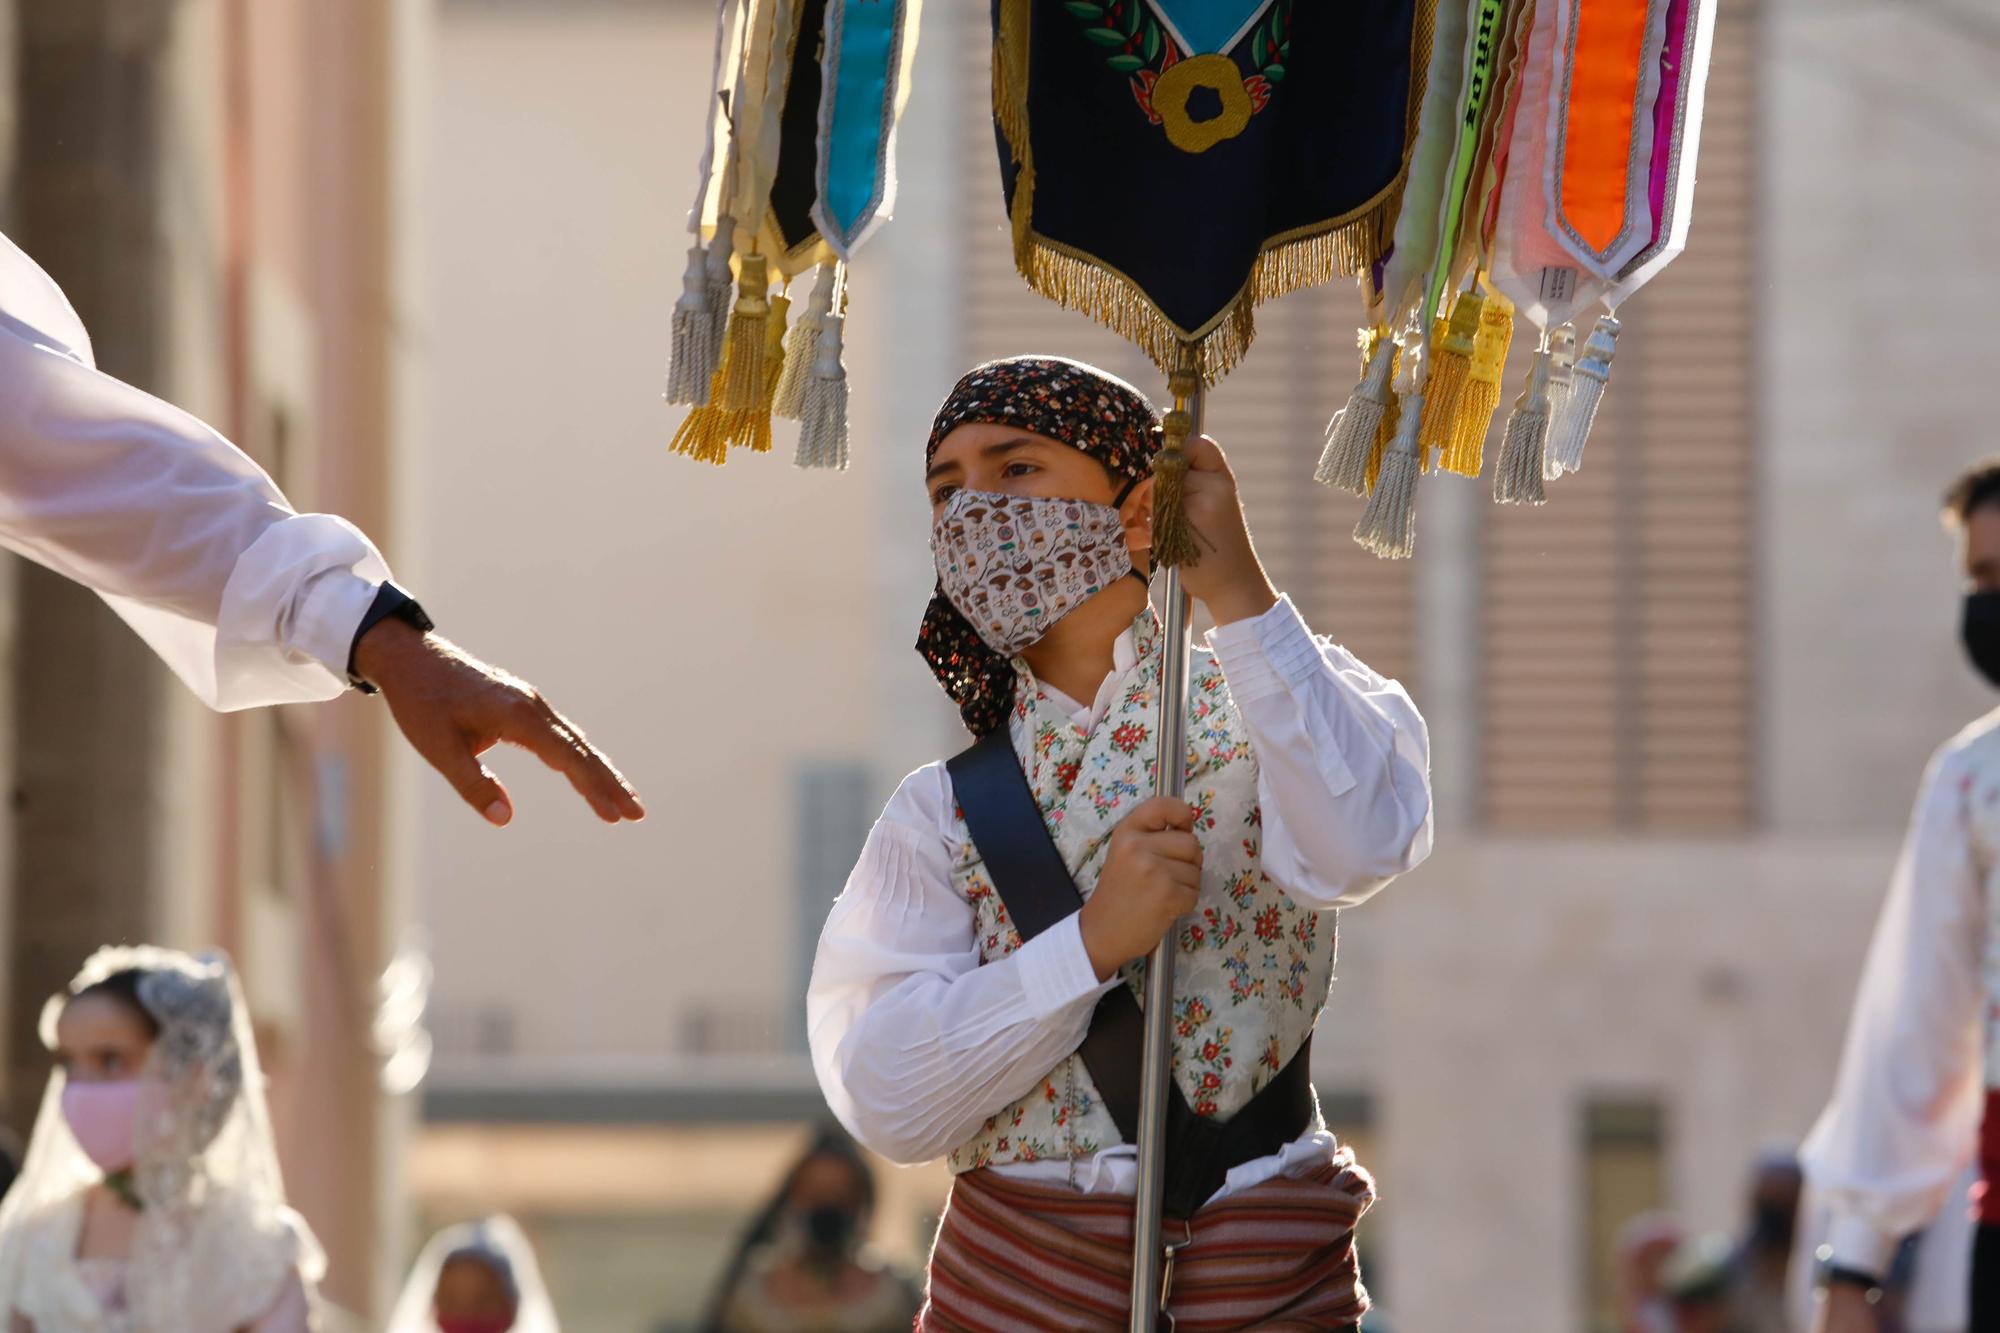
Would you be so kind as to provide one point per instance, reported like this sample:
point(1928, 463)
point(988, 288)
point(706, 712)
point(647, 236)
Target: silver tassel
point(802, 349)
point(1570, 428)
point(1517, 477)
point(1350, 436)
point(1388, 526)
point(823, 411)
point(696, 344)
point(721, 287)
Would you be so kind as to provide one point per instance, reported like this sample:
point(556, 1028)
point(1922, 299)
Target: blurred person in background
point(477, 1278)
point(10, 1160)
point(1762, 1261)
point(150, 1201)
point(1646, 1244)
point(1696, 1281)
point(247, 601)
point(803, 1266)
point(1913, 1102)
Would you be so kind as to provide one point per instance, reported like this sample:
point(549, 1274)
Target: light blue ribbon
point(857, 114)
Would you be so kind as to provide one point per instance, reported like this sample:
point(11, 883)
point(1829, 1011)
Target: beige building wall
point(711, 627)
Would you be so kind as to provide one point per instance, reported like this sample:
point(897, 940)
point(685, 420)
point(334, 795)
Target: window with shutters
point(1269, 414)
point(1616, 653)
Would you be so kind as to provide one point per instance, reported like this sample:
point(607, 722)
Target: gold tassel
point(750, 427)
point(1175, 541)
point(743, 348)
point(702, 433)
point(712, 430)
point(1444, 398)
point(1482, 385)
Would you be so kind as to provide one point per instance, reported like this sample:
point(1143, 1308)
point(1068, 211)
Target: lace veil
point(215, 1241)
point(498, 1242)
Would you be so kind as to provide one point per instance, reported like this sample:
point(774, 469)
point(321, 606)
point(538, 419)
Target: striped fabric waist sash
point(1279, 1256)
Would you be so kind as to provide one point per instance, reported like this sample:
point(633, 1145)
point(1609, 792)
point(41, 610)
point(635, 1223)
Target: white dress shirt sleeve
point(1904, 1118)
point(291, 1312)
point(914, 1041)
point(1343, 759)
point(179, 531)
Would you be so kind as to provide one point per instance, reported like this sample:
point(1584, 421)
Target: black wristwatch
point(391, 603)
point(1834, 1275)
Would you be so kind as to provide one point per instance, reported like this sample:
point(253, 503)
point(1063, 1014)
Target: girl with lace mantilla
point(151, 1200)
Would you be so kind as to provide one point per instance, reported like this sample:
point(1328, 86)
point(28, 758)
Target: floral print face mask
point(1013, 565)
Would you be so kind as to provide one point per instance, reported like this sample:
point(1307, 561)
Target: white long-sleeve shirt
point(179, 531)
point(916, 1042)
point(1905, 1115)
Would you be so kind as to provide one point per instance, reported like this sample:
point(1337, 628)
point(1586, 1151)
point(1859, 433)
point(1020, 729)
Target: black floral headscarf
point(1081, 406)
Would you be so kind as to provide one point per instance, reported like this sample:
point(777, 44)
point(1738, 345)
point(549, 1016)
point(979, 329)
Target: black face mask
point(830, 1231)
point(1980, 632)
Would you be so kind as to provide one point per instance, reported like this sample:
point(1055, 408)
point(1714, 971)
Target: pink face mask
point(104, 1118)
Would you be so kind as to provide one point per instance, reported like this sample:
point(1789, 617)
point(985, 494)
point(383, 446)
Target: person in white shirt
point(1915, 1101)
point(945, 1022)
point(249, 602)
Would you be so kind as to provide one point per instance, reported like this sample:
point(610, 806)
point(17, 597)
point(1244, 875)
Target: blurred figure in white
point(804, 1266)
point(1918, 1094)
point(1763, 1257)
point(249, 602)
point(150, 1201)
point(477, 1278)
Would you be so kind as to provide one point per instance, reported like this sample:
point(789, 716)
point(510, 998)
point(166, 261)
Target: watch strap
point(391, 603)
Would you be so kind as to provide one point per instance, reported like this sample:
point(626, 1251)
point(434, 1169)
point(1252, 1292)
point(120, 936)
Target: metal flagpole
point(1156, 1067)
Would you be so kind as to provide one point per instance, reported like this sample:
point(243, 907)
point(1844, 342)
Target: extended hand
point(1229, 581)
point(452, 708)
point(1151, 879)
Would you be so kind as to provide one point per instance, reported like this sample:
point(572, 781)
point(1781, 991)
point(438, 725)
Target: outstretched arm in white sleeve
point(248, 601)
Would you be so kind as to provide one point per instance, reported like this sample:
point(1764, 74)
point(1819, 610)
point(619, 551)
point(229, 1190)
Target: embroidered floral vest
point(1254, 967)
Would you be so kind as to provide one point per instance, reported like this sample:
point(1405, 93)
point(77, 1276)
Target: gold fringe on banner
point(1010, 73)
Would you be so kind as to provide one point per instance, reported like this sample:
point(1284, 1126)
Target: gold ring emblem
point(1177, 84)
